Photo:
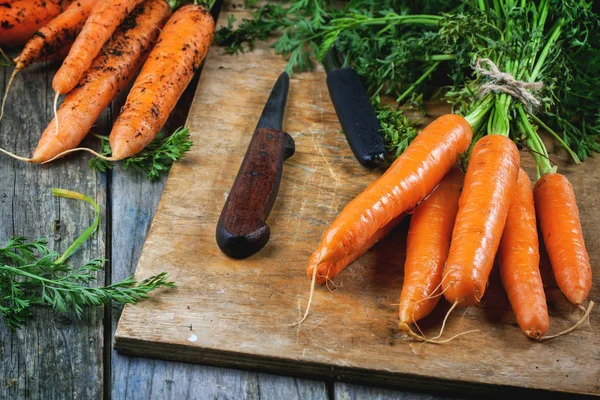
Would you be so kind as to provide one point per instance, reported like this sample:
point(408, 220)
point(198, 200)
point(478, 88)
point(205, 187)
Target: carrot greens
point(31, 274)
point(155, 160)
point(549, 48)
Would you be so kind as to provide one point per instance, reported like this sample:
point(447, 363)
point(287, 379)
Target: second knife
point(355, 112)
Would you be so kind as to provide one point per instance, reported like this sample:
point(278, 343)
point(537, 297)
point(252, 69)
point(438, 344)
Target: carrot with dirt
point(181, 48)
point(519, 260)
point(405, 183)
point(20, 19)
point(104, 18)
point(490, 182)
point(52, 40)
point(118, 61)
point(427, 248)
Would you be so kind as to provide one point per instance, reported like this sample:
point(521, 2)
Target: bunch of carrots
point(104, 44)
point(462, 222)
point(474, 207)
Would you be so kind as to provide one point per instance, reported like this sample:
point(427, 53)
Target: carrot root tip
point(571, 329)
point(64, 153)
point(10, 60)
point(55, 107)
point(8, 85)
point(312, 291)
point(16, 157)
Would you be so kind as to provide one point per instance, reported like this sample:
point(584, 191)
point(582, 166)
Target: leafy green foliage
point(398, 131)
point(158, 157)
point(97, 163)
point(33, 275)
point(155, 160)
point(400, 47)
point(175, 4)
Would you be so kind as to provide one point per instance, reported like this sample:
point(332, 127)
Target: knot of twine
point(506, 83)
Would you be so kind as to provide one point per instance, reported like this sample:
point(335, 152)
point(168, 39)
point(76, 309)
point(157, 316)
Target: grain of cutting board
point(236, 313)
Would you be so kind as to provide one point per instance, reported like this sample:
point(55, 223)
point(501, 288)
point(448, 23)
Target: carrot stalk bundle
point(519, 259)
point(405, 183)
point(104, 18)
point(558, 216)
point(115, 66)
point(427, 248)
point(181, 48)
point(53, 39)
point(20, 19)
point(489, 185)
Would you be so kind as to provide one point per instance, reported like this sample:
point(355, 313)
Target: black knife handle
point(242, 229)
point(357, 117)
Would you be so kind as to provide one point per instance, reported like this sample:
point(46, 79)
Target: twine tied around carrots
point(506, 83)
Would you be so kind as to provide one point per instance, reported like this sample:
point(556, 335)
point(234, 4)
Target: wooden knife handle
point(242, 229)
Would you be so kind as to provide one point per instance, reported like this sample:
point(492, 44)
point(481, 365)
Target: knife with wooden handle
point(242, 229)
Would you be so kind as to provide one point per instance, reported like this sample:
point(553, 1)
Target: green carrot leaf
point(31, 274)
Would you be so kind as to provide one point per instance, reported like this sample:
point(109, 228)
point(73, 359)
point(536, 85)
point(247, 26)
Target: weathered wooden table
point(59, 356)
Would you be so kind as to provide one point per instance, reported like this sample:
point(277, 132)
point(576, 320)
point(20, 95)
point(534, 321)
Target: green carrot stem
point(476, 116)
point(540, 154)
point(442, 57)
point(500, 125)
point(88, 232)
point(418, 82)
point(556, 31)
point(556, 136)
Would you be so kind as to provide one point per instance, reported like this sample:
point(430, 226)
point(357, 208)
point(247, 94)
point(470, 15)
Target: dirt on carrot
point(181, 48)
point(104, 18)
point(20, 19)
point(118, 61)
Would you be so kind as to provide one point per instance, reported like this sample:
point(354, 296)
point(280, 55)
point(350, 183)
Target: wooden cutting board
point(237, 313)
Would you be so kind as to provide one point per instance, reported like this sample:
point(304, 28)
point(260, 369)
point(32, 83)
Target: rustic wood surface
point(58, 356)
point(236, 313)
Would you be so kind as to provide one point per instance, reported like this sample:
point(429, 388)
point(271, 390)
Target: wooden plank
point(134, 201)
point(239, 312)
point(147, 379)
point(344, 391)
point(54, 355)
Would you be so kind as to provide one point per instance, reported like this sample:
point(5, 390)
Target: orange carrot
point(180, 50)
point(57, 33)
point(52, 40)
point(104, 18)
point(558, 216)
point(519, 260)
point(405, 183)
point(427, 248)
point(115, 66)
point(489, 185)
point(19, 19)
point(342, 263)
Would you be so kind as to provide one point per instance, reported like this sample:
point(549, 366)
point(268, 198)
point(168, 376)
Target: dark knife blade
point(272, 115)
point(242, 229)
